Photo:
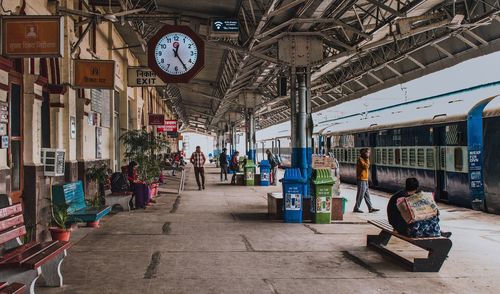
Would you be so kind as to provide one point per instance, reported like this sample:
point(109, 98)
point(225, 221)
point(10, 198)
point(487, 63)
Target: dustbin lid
point(322, 176)
point(265, 164)
point(249, 163)
point(293, 175)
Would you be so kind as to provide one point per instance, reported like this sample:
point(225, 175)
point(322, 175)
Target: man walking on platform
point(223, 164)
point(198, 160)
point(362, 175)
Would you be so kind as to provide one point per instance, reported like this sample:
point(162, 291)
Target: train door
point(373, 167)
point(439, 138)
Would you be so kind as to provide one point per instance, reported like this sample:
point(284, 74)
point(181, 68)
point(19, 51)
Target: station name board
point(156, 119)
point(143, 77)
point(32, 36)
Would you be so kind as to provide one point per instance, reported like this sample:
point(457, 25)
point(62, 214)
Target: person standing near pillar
point(223, 164)
point(198, 160)
point(362, 175)
point(274, 166)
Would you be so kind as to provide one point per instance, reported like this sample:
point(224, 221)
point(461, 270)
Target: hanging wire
point(10, 12)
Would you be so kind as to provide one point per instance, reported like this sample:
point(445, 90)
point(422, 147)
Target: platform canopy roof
point(368, 45)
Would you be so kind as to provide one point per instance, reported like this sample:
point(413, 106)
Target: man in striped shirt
point(198, 160)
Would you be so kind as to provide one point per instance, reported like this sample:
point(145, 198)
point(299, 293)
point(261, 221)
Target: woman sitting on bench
point(418, 229)
point(138, 187)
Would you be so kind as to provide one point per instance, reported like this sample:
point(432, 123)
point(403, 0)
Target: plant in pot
point(98, 174)
point(144, 148)
point(60, 229)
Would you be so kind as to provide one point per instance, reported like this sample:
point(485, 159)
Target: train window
point(459, 159)
point(397, 156)
point(404, 157)
point(430, 157)
point(378, 156)
point(384, 156)
point(412, 157)
point(390, 156)
point(420, 157)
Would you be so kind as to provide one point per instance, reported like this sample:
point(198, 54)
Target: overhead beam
point(387, 8)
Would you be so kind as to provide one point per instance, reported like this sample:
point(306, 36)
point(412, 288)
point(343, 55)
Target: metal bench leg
point(438, 252)
point(381, 239)
point(51, 271)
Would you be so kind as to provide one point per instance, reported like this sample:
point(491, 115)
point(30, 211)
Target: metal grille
point(442, 156)
point(420, 157)
point(430, 157)
point(452, 132)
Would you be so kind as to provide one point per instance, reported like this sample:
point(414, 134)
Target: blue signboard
point(475, 152)
point(224, 25)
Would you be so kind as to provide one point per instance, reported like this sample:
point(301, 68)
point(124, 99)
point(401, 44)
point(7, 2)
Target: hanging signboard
point(171, 128)
point(94, 74)
point(224, 27)
point(143, 77)
point(156, 119)
point(32, 36)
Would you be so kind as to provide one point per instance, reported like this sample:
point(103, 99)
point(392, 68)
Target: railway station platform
point(220, 240)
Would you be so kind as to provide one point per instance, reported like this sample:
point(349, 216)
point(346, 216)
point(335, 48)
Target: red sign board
point(171, 125)
point(156, 119)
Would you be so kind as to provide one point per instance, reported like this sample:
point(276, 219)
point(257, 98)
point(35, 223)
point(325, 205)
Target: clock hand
point(182, 62)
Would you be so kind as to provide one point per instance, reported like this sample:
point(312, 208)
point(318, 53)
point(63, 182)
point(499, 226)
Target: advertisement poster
point(292, 201)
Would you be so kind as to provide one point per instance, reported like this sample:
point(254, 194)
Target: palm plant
point(100, 175)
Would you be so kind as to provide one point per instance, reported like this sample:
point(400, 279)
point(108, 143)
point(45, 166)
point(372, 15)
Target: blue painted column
point(475, 154)
point(250, 135)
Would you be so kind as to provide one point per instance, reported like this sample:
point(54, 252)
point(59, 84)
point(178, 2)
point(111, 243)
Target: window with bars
point(420, 157)
point(412, 157)
point(430, 157)
point(384, 156)
point(378, 156)
point(397, 156)
point(390, 156)
point(404, 157)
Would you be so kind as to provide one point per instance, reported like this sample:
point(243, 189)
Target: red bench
point(25, 263)
point(14, 288)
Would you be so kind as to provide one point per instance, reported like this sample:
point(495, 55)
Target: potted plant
point(60, 229)
point(99, 174)
point(145, 148)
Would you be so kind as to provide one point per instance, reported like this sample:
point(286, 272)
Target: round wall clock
point(176, 54)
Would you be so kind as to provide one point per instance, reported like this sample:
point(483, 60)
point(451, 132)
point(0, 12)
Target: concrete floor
point(221, 241)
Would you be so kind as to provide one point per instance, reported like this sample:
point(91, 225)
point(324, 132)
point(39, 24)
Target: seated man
point(398, 222)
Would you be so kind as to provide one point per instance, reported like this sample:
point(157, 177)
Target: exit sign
point(224, 27)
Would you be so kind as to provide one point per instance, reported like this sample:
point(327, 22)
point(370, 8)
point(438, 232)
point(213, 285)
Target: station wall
point(48, 97)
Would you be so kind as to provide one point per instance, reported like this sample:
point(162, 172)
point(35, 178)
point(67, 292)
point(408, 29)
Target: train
point(449, 142)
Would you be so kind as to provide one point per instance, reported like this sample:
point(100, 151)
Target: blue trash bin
point(293, 192)
point(265, 169)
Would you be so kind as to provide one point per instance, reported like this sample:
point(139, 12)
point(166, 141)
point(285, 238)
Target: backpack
point(273, 161)
point(119, 182)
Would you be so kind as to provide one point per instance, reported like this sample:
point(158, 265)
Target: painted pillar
point(250, 134)
point(300, 150)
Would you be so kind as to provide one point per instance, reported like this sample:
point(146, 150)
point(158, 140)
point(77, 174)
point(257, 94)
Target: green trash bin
point(250, 173)
point(321, 196)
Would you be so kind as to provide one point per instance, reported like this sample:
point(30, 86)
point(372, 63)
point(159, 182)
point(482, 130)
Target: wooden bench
point(119, 198)
point(438, 248)
point(14, 288)
point(72, 195)
point(25, 263)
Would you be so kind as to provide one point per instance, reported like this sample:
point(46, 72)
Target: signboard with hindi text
point(32, 36)
point(143, 77)
point(94, 74)
point(156, 119)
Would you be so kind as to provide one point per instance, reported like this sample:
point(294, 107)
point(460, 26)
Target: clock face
point(176, 53)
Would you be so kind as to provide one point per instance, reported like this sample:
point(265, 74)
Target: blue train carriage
point(431, 139)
